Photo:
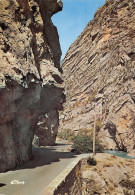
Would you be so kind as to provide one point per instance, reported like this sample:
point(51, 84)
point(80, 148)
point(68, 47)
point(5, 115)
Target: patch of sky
point(72, 20)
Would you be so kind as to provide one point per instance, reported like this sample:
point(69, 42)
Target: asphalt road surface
point(34, 176)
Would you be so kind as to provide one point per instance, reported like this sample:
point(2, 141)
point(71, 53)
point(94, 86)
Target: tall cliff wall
point(99, 72)
point(30, 78)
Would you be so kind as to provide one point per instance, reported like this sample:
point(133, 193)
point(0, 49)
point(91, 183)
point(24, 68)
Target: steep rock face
point(30, 77)
point(48, 126)
point(99, 71)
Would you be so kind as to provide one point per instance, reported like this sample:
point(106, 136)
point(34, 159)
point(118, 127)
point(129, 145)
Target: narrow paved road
point(35, 175)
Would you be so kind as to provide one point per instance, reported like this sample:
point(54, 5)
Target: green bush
point(84, 144)
point(92, 161)
point(99, 125)
point(84, 131)
point(66, 134)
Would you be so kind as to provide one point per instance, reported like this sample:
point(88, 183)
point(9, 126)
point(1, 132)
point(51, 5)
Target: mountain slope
point(99, 72)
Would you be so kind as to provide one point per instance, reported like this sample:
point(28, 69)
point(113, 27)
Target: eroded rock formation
point(99, 72)
point(30, 77)
point(47, 128)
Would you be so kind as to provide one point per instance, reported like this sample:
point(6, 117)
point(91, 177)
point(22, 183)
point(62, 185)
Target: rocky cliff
point(103, 174)
point(99, 72)
point(30, 78)
point(111, 175)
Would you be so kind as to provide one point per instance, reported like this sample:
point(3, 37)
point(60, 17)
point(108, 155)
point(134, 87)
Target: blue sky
point(72, 20)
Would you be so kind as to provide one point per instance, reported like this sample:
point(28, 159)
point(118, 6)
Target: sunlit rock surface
point(99, 73)
point(111, 175)
point(30, 77)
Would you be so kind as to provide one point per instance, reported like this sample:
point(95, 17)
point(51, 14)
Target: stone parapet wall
point(111, 175)
point(69, 181)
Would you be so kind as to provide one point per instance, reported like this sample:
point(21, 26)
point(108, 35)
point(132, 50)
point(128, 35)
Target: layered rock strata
point(30, 77)
point(99, 72)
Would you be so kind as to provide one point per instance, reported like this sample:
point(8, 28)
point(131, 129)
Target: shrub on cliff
point(84, 144)
point(92, 161)
point(66, 134)
point(84, 131)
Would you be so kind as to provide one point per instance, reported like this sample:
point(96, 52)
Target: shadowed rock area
point(30, 78)
point(99, 72)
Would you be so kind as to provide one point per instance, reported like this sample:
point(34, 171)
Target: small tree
point(66, 134)
point(84, 144)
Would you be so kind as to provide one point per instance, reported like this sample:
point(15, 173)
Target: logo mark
point(16, 182)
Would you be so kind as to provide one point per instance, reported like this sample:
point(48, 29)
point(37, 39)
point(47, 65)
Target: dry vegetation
point(111, 175)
